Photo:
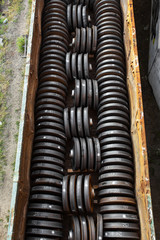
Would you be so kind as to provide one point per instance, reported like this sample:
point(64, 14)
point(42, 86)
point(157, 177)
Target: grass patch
point(2, 2)
point(17, 124)
point(3, 109)
point(16, 135)
point(1, 20)
point(17, 110)
point(13, 166)
point(3, 28)
point(11, 13)
point(3, 113)
point(29, 11)
point(9, 72)
point(7, 220)
point(2, 55)
point(4, 83)
point(2, 162)
point(20, 44)
point(14, 9)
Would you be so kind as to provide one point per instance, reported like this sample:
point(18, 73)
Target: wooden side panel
point(142, 182)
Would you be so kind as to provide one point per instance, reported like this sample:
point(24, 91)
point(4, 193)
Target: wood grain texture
point(142, 182)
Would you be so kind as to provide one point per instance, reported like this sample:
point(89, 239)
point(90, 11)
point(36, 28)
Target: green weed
point(14, 9)
point(16, 137)
point(13, 166)
point(29, 12)
point(3, 28)
point(20, 44)
point(1, 20)
point(17, 124)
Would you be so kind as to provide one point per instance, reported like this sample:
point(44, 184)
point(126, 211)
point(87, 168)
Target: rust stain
point(142, 188)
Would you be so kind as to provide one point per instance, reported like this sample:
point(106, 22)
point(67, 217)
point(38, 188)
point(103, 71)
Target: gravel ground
point(16, 64)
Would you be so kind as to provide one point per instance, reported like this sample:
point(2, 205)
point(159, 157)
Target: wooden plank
point(142, 182)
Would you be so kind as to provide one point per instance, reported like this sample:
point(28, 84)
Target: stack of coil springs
point(108, 157)
point(85, 154)
point(44, 216)
point(116, 175)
